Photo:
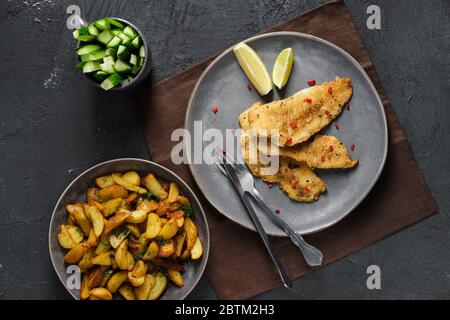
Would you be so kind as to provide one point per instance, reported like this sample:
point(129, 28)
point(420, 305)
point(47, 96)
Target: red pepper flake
point(327, 112)
point(322, 158)
point(308, 100)
point(249, 87)
point(277, 211)
point(311, 82)
point(347, 107)
point(269, 185)
point(214, 109)
point(330, 148)
point(352, 147)
point(294, 185)
point(306, 190)
point(336, 125)
point(293, 125)
point(330, 90)
point(288, 140)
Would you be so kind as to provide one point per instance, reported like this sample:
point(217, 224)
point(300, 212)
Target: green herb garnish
point(188, 211)
point(149, 196)
point(160, 241)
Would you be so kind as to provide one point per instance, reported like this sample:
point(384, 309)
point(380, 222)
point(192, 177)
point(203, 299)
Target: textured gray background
point(54, 124)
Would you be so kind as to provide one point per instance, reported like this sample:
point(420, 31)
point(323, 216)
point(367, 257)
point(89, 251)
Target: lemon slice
point(253, 67)
point(282, 68)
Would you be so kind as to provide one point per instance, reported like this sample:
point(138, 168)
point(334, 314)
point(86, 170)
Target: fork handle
point(312, 255)
point(287, 282)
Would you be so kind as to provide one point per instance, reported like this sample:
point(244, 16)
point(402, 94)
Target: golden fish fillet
point(320, 152)
point(298, 180)
point(300, 116)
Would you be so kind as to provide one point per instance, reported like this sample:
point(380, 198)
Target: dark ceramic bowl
point(143, 73)
point(76, 192)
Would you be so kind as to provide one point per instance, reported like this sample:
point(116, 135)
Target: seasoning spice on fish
point(330, 148)
point(293, 125)
point(288, 140)
point(308, 100)
point(330, 90)
point(322, 158)
point(306, 190)
point(214, 109)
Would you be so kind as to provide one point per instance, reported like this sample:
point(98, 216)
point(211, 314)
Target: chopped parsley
point(188, 211)
point(160, 241)
point(149, 196)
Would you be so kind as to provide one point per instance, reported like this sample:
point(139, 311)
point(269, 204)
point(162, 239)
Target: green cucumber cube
point(110, 82)
point(109, 59)
point(136, 42)
point(130, 32)
point(91, 66)
point(100, 75)
point(87, 49)
point(107, 67)
point(102, 24)
point(123, 52)
point(115, 42)
point(142, 52)
point(93, 30)
point(133, 59)
point(105, 37)
point(122, 66)
point(115, 23)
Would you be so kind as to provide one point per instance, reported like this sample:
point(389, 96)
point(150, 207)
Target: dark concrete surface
point(54, 124)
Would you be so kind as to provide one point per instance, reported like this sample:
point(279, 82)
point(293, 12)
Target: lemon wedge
point(282, 68)
point(253, 67)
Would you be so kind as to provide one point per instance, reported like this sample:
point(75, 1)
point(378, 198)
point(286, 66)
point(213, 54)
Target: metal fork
point(312, 255)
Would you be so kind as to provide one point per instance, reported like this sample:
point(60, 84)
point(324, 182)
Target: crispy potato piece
point(75, 254)
point(180, 222)
point(77, 212)
point(179, 243)
point(85, 262)
point(122, 182)
point(175, 277)
point(137, 275)
point(103, 259)
point(116, 220)
point(158, 289)
point(116, 238)
point(112, 192)
point(183, 201)
point(143, 291)
point(163, 208)
point(98, 222)
point(155, 187)
point(152, 251)
point(100, 294)
point(174, 192)
point(169, 230)
point(197, 249)
point(137, 216)
point(186, 254)
point(141, 247)
point(127, 291)
point(191, 233)
point(64, 238)
point(130, 262)
point(75, 233)
point(111, 206)
point(92, 239)
point(121, 255)
point(84, 290)
point(99, 206)
point(131, 199)
point(167, 249)
point(147, 205)
point(168, 264)
point(134, 230)
point(116, 281)
point(92, 195)
point(163, 221)
point(132, 177)
point(95, 278)
point(103, 245)
point(104, 182)
point(153, 226)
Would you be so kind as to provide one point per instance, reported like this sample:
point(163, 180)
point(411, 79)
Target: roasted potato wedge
point(103, 245)
point(179, 243)
point(183, 201)
point(84, 289)
point(121, 255)
point(116, 220)
point(111, 192)
point(116, 280)
point(137, 276)
point(104, 182)
point(158, 289)
point(197, 249)
point(111, 206)
point(77, 212)
point(95, 278)
point(191, 232)
point(151, 252)
point(64, 238)
point(137, 216)
point(174, 192)
point(155, 187)
point(100, 294)
point(75, 254)
point(92, 195)
point(129, 186)
point(132, 177)
point(175, 277)
point(98, 222)
point(142, 292)
point(92, 239)
point(127, 291)
point(103, 259)
point(147, 205)
point(153, 226)
point(116, 238)
point(167, 249)
point(85, 262)
point(169, 230)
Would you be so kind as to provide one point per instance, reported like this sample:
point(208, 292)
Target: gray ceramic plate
point(76, 192)
point(225, 85)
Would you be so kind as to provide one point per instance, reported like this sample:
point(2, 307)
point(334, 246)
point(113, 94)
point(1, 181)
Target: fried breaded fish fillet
point(298, 117)
point(298, 180)
point(320, 152)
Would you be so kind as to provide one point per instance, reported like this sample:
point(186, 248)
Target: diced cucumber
point(125, 82)
point(130, 78)
point(105, 37)
point(100, 75)
point(93, 30)
point(91, 66)
point(141, 61)
point(115, 23)
point(122, 66)
point(142, 52)
point(83, 35)
point(127, 43)
point(110, 82)
point(109, 59)
point(116, 32)
point(133, 59)
point(136, 42)
point(129, 31)
point(79, 65)
point(93, 56)
point(123, 52)
point(111, 52)
point(115, 42)
point(107, 67)
point(135, 70)
point(88, 48)
point(124, 37)
point(102, 24)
